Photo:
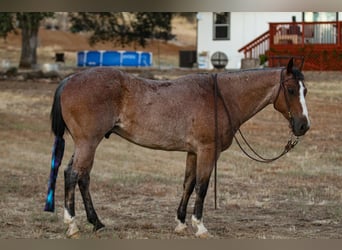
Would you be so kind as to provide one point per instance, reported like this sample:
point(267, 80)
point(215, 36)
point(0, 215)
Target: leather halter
point(282, 86)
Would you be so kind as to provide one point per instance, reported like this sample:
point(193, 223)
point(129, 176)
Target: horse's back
point(152, 113)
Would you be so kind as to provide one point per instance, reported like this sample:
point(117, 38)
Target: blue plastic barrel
point(111, 58)
point(93, 58)
point(114, 58)
point(80, 59)
point(145, 59)
point(130, 58)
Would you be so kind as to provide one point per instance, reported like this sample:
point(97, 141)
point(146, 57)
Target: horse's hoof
point(204, 235)
point(202, 232)
point(98, 227)
point(99, 230)
point(75, 236)
point(181, 227)
point(73, 232)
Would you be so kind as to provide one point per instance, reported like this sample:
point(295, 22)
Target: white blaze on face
point(302, 101)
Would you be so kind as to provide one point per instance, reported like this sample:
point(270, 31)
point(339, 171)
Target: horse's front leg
point(188, 188)
point(205, 163)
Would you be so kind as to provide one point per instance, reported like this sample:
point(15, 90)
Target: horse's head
point(291, 99)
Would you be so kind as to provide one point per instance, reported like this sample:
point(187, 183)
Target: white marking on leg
point(201, 230)
point(71, 221)
point(180, 228)
point(67, 217)
point(302, 101)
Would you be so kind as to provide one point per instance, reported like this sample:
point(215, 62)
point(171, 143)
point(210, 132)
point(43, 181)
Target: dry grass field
point(136, 191)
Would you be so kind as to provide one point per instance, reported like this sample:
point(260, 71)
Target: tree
point(6, 24)
point(29, 23)
point(122, 27)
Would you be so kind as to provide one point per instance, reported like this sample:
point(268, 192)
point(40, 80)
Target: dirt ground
point(136, 191)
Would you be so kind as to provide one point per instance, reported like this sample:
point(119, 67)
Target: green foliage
point(152, 25)
point(26, 20)
point(6, 23)
point(122, 27)
point(31, 20)
point(263, 59)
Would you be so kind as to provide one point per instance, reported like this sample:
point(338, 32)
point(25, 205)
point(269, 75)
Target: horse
point(172, 115)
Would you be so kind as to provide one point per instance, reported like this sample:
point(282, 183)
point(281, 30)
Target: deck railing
point(324, 34)
point(320, 43)
point(320, 34)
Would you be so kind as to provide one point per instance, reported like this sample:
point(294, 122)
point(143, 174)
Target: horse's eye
point(291, 91)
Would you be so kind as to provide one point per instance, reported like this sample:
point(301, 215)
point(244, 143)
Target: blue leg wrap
point(57, 156)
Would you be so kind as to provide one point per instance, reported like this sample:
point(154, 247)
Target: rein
point(291, 143)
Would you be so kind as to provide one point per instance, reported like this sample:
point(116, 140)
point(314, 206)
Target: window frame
point(220, 25)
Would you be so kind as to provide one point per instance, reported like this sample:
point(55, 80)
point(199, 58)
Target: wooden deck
point(320, 43)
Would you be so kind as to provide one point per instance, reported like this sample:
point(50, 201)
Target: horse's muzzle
point(300, 126)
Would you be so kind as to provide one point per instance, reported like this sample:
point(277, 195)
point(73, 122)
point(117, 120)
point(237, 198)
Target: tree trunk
point(29, 25)
point(29, 38)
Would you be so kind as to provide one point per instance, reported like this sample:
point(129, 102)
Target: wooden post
point(339, 33)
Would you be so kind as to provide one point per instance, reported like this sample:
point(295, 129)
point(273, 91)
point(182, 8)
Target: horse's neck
point(250, 92)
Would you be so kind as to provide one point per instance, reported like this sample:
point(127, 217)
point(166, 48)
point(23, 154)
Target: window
point(320, 16)
point(221, 26)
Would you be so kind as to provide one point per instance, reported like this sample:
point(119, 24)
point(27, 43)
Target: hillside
point(56, 41)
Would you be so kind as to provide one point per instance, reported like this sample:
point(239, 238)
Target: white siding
point(245, 26)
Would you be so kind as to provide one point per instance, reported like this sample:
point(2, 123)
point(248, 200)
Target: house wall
point(245, 27)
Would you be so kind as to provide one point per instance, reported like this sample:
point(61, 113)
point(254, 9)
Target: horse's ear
point(289, 66)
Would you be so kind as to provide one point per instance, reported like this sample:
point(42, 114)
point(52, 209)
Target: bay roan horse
point(176, 115)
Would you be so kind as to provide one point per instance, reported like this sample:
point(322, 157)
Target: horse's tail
point(58, 127)
point(57, 122)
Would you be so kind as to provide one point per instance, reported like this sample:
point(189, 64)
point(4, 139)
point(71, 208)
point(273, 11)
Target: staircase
point(257, 47)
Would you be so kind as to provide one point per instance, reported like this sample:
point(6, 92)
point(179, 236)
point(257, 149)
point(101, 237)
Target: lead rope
point(216, 138)
point(291, 143)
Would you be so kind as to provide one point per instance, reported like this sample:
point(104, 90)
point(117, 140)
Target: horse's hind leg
point(78, 171)
point(83, 184)
point(188, 188)
point(70, 181)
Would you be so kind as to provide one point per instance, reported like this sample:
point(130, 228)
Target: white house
point(227, 32)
